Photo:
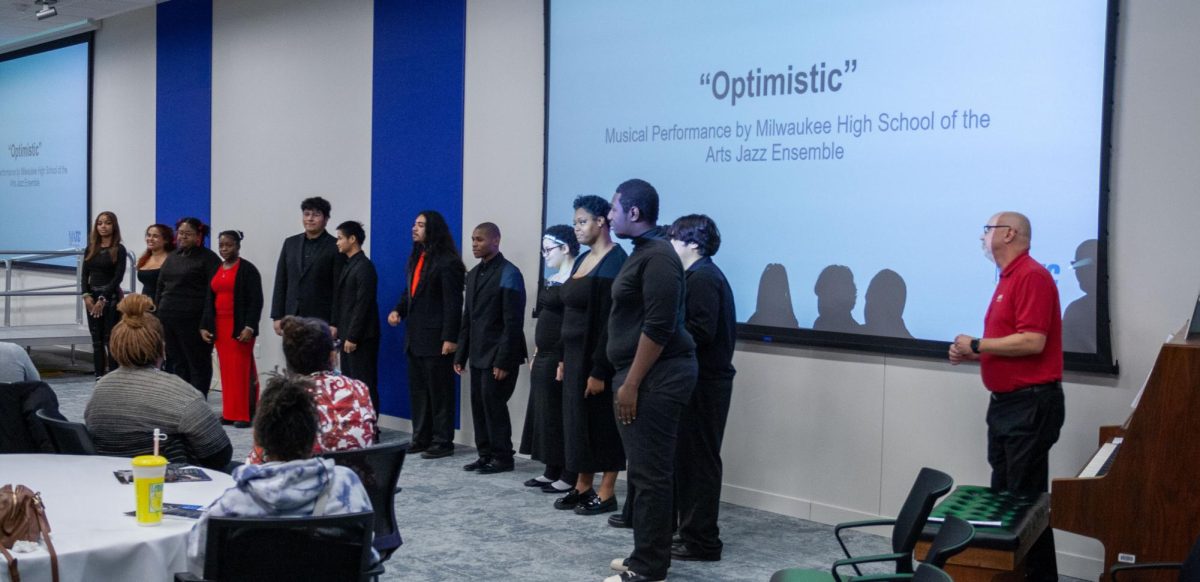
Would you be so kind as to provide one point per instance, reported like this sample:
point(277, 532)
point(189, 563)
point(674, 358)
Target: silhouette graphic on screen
point(883, 311)
point(774, 306)
point(1079, 319)
point(836, 296)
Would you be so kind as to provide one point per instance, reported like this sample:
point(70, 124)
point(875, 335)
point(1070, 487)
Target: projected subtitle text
point(766, 139)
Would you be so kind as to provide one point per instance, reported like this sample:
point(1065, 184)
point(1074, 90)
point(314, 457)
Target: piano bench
point(1006, 526)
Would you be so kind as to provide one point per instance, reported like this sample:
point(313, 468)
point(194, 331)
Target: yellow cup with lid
point(149, 473)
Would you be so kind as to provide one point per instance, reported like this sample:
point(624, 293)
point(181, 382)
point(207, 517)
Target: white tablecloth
point(86, 507)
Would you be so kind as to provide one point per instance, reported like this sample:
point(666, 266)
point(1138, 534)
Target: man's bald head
point(1019, 224)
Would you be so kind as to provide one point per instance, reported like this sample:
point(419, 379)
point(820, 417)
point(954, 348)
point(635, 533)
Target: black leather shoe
point(493, 467)
point(415, 448)
point(594, 506)
point(241, 424)
point(226, 421)
point(687, 554)
point(618, 520)
point(476, 464)
point(437, 452)
point(535, 482)
point(572, 499)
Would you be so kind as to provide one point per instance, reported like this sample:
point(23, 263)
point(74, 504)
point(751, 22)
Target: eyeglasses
point(988, 227)
point(547, 250)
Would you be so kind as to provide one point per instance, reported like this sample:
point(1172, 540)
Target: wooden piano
point(1140, 494)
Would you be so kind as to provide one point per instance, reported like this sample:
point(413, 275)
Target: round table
point(86, 507)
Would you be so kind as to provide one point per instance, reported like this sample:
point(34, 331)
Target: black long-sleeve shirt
point(648, 297)
point(183, 281)
point(102, 275)
point(711, 319)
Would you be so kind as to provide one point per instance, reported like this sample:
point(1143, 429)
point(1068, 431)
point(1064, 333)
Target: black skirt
point(542, 437)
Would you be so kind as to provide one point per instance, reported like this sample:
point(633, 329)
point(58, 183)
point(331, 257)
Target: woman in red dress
point(231, 315)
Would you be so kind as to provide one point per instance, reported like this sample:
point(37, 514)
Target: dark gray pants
point(489, 411)
point(698, 467)
point(650, 450)
point(363, 365)
point(1022, 426)
point(431, 394)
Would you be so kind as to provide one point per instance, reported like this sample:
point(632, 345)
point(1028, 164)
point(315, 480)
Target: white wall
point(502, 151)
point(291, 114)
point(123, 123)
point(819, 434)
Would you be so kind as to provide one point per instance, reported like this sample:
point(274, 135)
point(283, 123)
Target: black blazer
point(493, 325)
point(247, 301)
point(355, 312)
point(306, 291)
point(433, 314)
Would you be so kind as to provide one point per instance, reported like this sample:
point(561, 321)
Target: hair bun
point(134, 307)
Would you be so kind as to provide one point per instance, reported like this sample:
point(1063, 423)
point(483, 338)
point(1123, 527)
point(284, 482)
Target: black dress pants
point(192, 355)
point(100, 328)
point(1022, 426)
point(431, 394)
point(698, 467)
point(363, 365)
point(489, 411)
point(650, 450)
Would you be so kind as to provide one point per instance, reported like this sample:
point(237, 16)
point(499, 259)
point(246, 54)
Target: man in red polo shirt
point(1021, 362)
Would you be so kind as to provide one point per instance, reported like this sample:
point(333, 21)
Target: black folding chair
point(378, 468)
point(300, 549)
point(952, 538)
point(906, 528)
point(69, 438)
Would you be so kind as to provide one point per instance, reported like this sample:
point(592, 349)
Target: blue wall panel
point(184, 102)
point(416, 151)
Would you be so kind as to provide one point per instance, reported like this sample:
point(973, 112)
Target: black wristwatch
point(975, 345)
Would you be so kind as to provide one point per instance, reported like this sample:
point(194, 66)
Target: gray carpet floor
point(462, 526)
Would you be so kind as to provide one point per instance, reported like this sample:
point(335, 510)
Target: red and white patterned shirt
point(345, 417)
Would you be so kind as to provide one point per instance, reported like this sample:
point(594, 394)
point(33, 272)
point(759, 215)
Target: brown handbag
point(23, 518)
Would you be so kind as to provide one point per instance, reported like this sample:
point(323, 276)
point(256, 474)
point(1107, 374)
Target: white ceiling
point(18, 25)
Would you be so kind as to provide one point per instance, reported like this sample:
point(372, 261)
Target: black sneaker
point(572, 499)
point(476, 464)
point(595, 506)
point(631, 576)
point(685, 553)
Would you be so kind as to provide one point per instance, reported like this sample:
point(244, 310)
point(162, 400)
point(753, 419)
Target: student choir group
point(631, 367)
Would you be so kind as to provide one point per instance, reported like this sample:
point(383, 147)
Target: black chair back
point(952, 538)
point(69, 438)
point(929, 486)
point(929, 573)
point(336, 547)
point(378, 468)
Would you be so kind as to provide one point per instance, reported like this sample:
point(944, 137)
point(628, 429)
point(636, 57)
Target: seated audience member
point(15, 365)
point(346, 418)
point(136, 398)
point(291, 482)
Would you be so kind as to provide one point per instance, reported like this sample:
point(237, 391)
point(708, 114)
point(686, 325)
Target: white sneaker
point(618, 565)
point(630, 577)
